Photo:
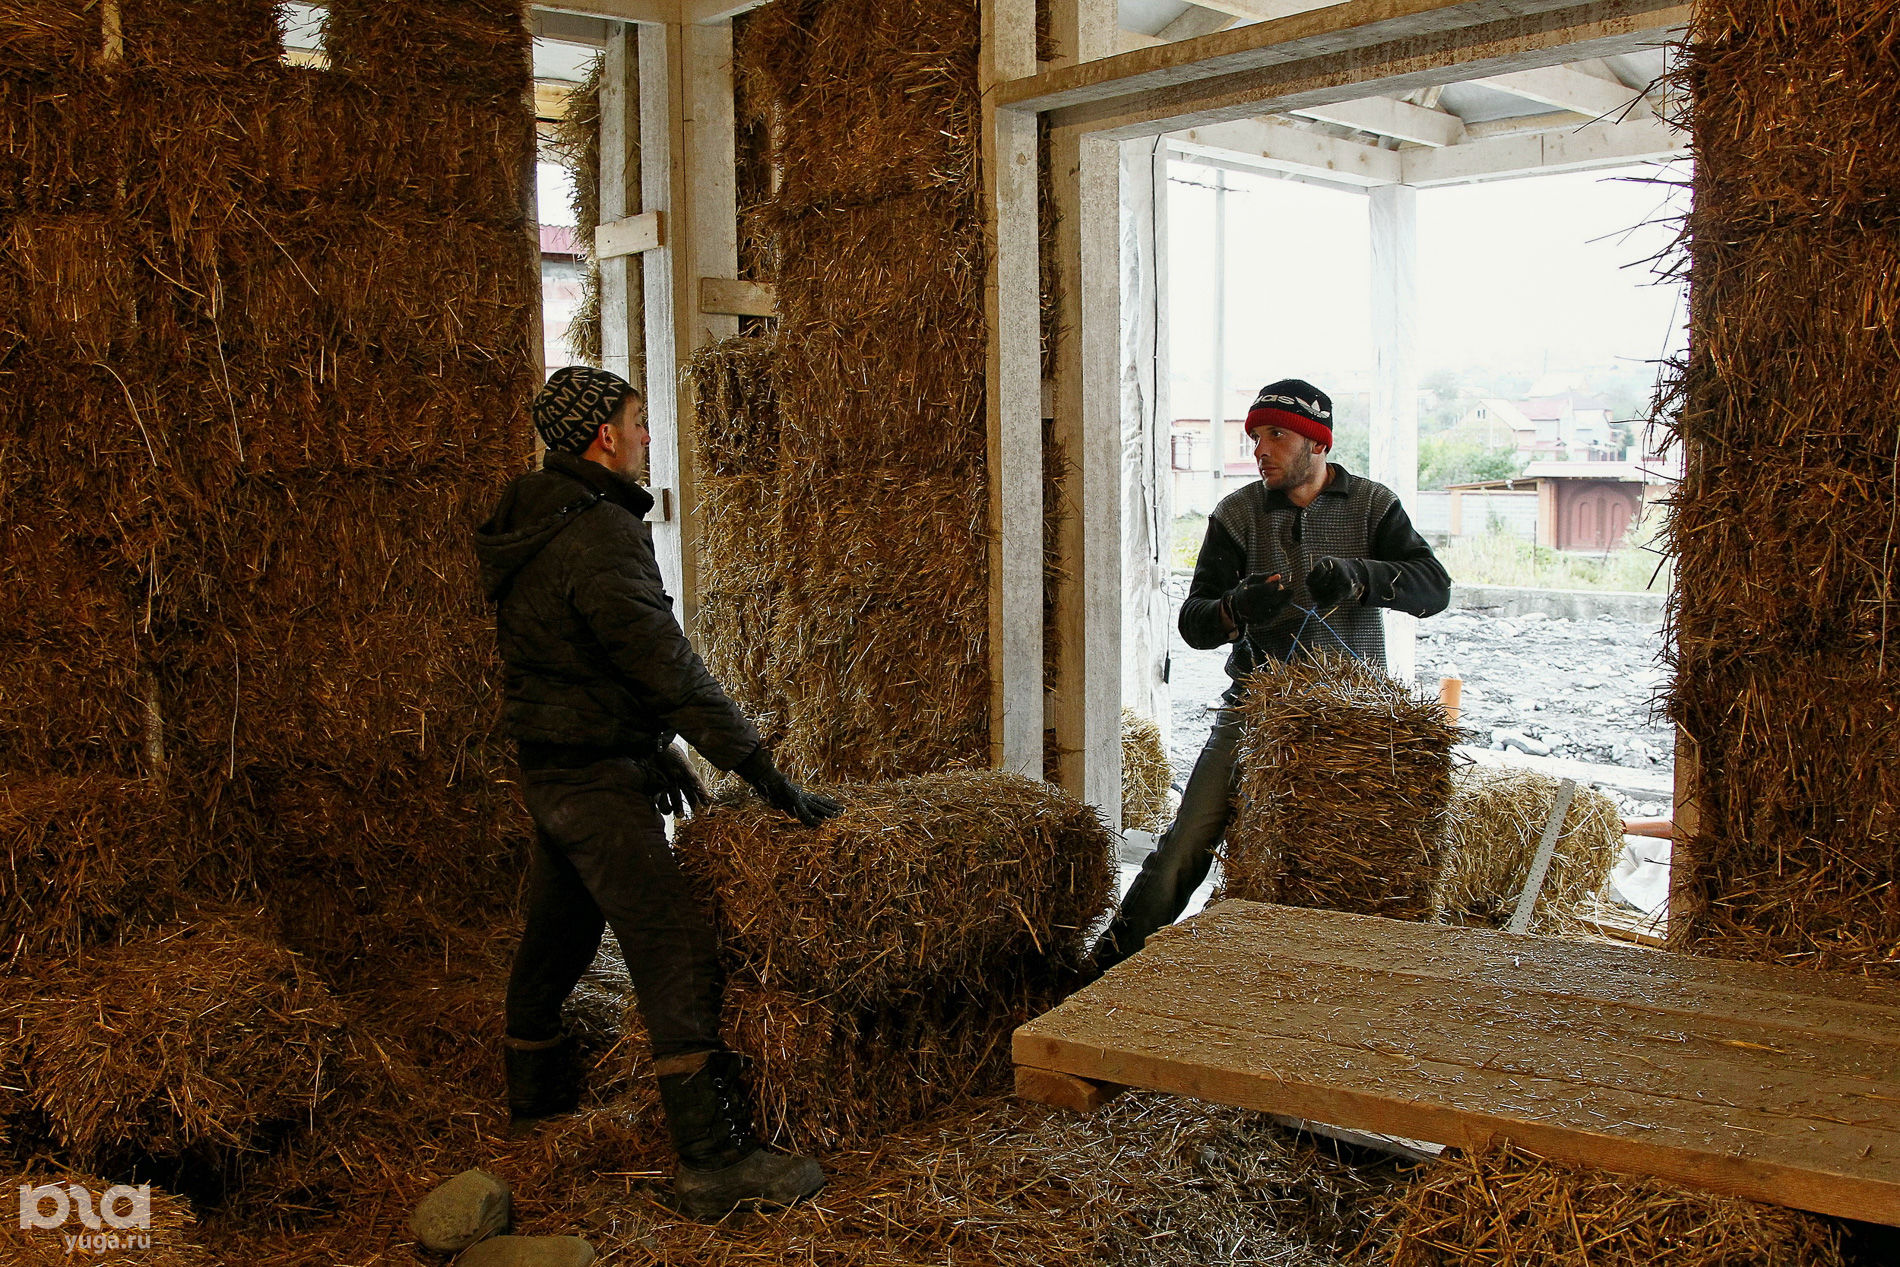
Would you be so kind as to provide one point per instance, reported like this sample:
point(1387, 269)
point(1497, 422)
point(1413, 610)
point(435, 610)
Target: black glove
point(781, 793)
point(1334, 581)
point(679, 790)
point(1256, 599)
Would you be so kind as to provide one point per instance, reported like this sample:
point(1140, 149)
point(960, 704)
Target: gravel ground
point(1583, 690)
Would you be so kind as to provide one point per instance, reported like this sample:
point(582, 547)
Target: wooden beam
point(723, 296)
point(1566, 88)
point(1597, 145)
point(1775, 1084)
point(1195, 22)
point(671, 316)
point(630, 235)
point(709, 12)
point(1382, 116)
point(1393, 456)
point(1063, 1090)
point(1347, 52)
point(1269, 145)
point(1013, 400)
point(622, 303)
point(1526, 125)
point(660, 12)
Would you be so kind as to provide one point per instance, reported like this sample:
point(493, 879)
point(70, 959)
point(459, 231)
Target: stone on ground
point(461, 1211)
point(529, 1251)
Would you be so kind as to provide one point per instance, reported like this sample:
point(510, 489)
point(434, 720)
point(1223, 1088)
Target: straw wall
point(877, 546)
point(1786, 633)
point(265, 351)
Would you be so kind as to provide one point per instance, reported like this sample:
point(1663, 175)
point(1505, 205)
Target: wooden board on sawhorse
point(1772, 1083)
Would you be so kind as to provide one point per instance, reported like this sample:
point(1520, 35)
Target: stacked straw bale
point(1345, 777)
point(172, 1229)
point(1509, 1208)
point(874, 239)
point(1784, 621)
point(1494, 824)
point(879, 963)
point(265, 354)
point(195, 1042)
point(1146, 774)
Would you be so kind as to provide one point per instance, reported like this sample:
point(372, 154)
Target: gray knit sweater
point(1259, 531)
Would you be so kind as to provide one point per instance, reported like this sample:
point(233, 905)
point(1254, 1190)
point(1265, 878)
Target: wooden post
point(1014, 399)
point(666, 273)
point(1087, 172)
point(1147, 511)
point(1395, 379)
point(622, 312)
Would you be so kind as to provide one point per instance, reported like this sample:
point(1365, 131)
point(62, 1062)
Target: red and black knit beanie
point(574, 402)
point(1296, 405)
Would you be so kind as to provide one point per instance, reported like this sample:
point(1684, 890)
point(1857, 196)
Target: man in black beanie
point(598, 679)
point(1298, 563)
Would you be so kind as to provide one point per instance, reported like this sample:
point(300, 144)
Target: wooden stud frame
point(1092, 100)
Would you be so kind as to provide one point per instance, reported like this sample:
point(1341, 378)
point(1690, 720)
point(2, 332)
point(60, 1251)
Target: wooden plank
point(1013, 400)
point(1400, 120)
point(1269, 145)
point(1644, 138)
point(1342, 28)
point(655, 11)
point(1465, 1037)
point(712, 12)
point(1062, 1090)
point(622, 300)
point(726, 297)
point(630, 235)
point(1566, 88)
point(1341, 66)
point(670, 304)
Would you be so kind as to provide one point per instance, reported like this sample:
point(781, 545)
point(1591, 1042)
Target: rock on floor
point(461, 1211)
point(529, 1251)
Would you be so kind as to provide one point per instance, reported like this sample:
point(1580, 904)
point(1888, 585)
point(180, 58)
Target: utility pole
point(1217, 416)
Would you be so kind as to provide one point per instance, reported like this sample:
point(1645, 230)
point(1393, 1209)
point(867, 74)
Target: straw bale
point(867, 100)
point(1146, 774)
point(71, 279)
point(1345, 777)
point(736, 418)
point(855, 265)
point(44, 37)
point(576, 144)
point(1782, 621)
point(1511, 1208)
point(73, 688)
point(83, 856)
point(197, 1040)
point(919, 881)
point(473, 48)
point(1493, 827)
point(180, 39)
point(172, 1232)
point(58, 145)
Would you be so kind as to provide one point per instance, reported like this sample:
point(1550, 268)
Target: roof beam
point(1344, 52)
point(657, 11)
point(1271, 146)
point(1262, 10)
point(1382, 116)
point(1566, 88)
point(1645, 138)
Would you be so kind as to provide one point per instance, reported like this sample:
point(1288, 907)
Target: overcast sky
point(1522, 275)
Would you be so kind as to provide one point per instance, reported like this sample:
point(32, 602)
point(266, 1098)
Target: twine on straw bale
point(1493, 827)
point(172, 1226)
point(919, 882)
point(1146, 774)
point(1344, 781)
point(194, 1041)
point(1511, 1208)
point(1784, 622)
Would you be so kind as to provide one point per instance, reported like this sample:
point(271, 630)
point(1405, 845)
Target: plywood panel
point(1764, 1082)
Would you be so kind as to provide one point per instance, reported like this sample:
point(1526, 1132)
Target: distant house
point(1572, 425)
point(1581, 505)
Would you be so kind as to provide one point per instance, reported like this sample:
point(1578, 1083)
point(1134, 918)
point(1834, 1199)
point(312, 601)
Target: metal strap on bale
point(1540, 863)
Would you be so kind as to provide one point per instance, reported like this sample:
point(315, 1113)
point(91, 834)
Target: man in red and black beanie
point(1301, 562)
point(598, 678)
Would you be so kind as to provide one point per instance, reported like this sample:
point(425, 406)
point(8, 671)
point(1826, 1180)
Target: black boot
point(722, 1165)
point(543, 1080)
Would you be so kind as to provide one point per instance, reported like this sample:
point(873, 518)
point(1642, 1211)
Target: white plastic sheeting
point(1147, 496)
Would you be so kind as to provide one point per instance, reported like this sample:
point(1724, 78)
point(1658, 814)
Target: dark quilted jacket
point(591, 652)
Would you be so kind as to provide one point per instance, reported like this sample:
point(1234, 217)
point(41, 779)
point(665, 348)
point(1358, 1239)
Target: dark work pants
point(601, 858)
point(1184, 853)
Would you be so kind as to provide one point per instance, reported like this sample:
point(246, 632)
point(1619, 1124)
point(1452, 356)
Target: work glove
point(1256, 599)
point(1334, 581)
point(781, 793)
point(680, 791)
